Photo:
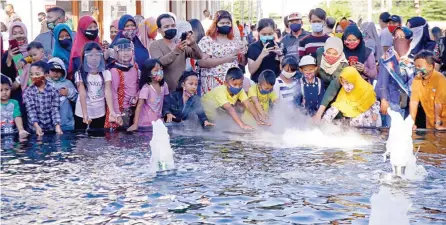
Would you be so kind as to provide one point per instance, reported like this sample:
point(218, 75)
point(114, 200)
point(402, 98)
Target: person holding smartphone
point(265, 54)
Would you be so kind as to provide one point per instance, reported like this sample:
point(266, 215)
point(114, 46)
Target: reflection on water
point(221, 179)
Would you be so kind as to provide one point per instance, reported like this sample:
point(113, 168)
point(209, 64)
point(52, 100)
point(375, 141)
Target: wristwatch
point(440, 123)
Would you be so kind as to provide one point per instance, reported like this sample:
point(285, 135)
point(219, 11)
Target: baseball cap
point(395, 18)
point(407, 32)
point(307, 60)
point(385, 17)
point(55, 66)
point(295, 16)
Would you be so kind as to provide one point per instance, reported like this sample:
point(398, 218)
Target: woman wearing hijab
point(148, 31)
point(421, 39)
point(357, 54)
point(371, 39)
point(356, 101)
point(128, 29)
point(87, 31)
point(114, 29)
point(63, 39)
point(331, 61)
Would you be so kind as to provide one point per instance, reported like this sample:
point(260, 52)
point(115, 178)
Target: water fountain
point(389, 208)
point(162, 155)
point(400, 148)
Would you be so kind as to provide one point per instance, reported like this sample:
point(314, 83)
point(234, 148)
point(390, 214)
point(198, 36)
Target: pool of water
point(222, 178)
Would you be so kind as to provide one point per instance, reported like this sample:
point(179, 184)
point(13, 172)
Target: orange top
point(240, 28)
point(430, 92)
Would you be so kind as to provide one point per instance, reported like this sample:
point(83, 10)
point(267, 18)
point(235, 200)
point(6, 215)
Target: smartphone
point(184, 36)
point(270, 43)
point(352, 60)
point(13, 43)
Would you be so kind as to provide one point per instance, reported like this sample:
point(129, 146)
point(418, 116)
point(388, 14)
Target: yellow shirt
point(430, 92)
point(264, 99)
point(219, 96)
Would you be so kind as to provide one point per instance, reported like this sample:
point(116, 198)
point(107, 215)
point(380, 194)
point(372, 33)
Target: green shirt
point(9, 112)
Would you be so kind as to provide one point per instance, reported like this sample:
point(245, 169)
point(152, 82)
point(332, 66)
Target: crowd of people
point(341, 71)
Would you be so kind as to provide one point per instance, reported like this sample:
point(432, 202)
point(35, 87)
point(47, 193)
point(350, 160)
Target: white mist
point(162, 154)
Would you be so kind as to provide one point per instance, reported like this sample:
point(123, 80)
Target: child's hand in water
point(169, 117)
point(133, 127)
point(246, 127)
point(119, 121)
point(207, 124)
point(260, 122)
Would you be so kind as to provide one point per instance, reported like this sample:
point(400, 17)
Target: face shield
point(124, 53)
point(94, 61)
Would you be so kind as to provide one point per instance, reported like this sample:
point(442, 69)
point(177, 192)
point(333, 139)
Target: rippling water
point(221, 179)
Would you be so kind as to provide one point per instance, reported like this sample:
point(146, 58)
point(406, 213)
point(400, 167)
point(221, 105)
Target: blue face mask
point(317, 27)
point(264, 92)
point(266, 38)
point(234, 90)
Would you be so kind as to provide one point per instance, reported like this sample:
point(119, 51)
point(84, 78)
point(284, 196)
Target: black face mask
point(91, 34)
point(224, 29)
point(65, 43)
point(169, 34)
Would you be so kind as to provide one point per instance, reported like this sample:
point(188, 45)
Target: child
point(35, 53)
point(310, 87)
point(41, 101)
point(11, 118)
point(151, 95)
point(184, 102)
point(261, 95)
point(224, 97)
point(125, 78)
point(356, 101)
point(94, 85)
point(68, 93)
point(285, 87)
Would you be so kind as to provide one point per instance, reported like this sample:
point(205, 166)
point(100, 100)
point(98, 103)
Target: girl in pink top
point(151, 95)
point(125, 79)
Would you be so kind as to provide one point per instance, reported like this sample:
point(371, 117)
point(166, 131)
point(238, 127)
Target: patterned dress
point(214, 77)
point(369, 118)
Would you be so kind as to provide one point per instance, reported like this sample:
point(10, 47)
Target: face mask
point(51, 25)
point(234, 90)
point(65, 43)
point(309, 76)
point(392, 28)
point(169, 34)
point(331, 59)
point(288, 74)
point(295, 27)
point(158, 76)
point(351, 45)
point(224, 29)
point(266, 38)
point(264, 92)
point(91, 34)
point(348, 87)
point(37, 81)
point(422, 72)
point(129, 34)
point(317, 27)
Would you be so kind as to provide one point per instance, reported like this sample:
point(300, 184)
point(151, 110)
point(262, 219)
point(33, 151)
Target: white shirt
point(206, 24)
point(95, 94)
point(286, 92)
point(386, 37)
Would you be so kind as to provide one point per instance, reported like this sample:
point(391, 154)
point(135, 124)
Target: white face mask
point(288, 74)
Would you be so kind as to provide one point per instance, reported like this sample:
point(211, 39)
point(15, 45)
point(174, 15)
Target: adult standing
point(222, 51)
point(42, 20)
point(148, 31)
point(421, 39)
point(371, 39)
point(264, 54)
point(12, 15)
point(207, 21)
point(385, 36)
point(172, 55)
point(55, 16)
point(291, 41)
point(87, 31)
point(128, 29)
point(330, 23)
point(331, 61)
point(357, 54)
point(310, 43)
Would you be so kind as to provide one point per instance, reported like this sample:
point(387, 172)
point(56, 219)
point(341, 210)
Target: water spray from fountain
point(162, 155)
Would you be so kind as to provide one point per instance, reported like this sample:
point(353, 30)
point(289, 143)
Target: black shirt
point(268, 63)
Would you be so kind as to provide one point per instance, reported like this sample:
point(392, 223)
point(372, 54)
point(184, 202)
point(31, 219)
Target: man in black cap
point(385, 35)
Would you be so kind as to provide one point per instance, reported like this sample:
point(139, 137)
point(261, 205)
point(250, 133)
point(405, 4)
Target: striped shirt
point(42, 107)
point(309, 44)
point(286, 92)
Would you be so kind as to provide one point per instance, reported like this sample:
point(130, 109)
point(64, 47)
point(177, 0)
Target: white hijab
point(336, 44)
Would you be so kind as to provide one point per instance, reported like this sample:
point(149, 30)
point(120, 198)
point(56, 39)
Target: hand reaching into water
point(169, 117)
point(207, 124)
point(133, 127)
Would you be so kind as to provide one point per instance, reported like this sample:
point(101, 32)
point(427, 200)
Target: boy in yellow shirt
point(262, 95)
point(224, 98)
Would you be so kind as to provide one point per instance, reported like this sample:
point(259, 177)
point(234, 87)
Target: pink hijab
point(23, 47)
point(146, 28)
point(115, 24)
